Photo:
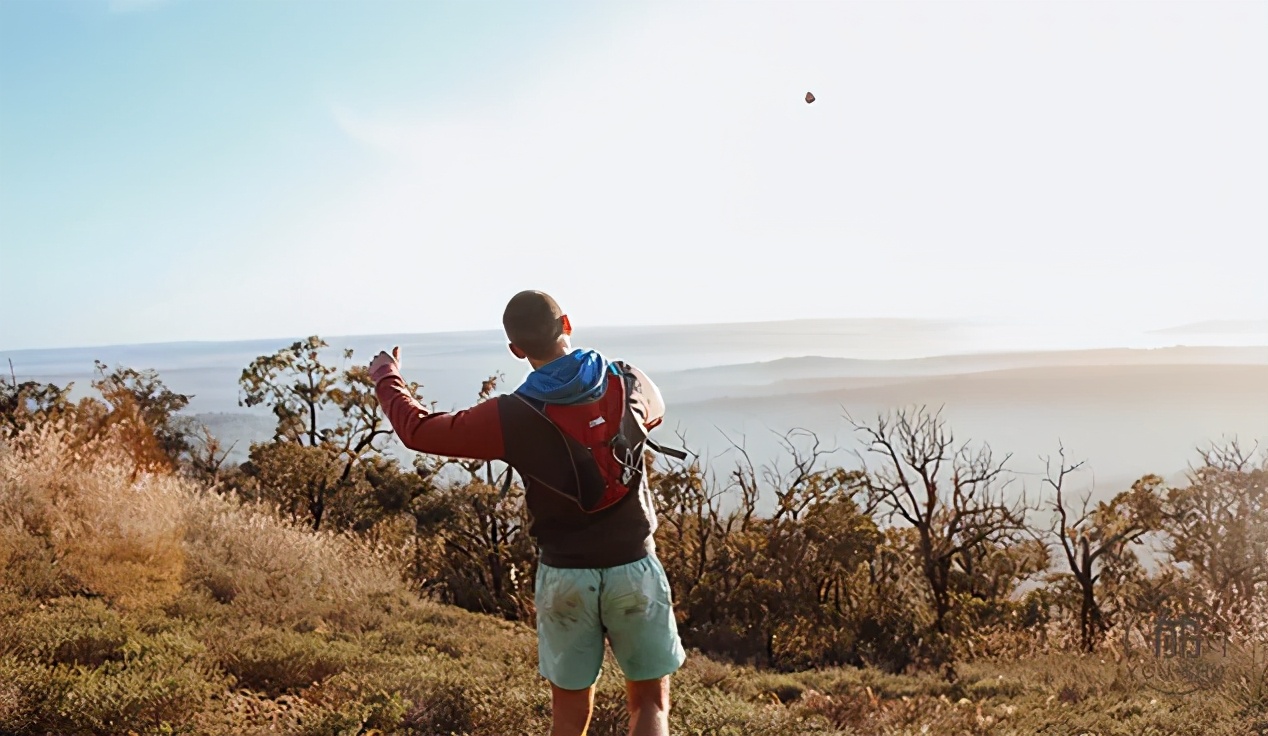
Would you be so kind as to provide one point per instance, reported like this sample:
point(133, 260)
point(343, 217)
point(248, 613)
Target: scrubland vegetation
point(323, 588)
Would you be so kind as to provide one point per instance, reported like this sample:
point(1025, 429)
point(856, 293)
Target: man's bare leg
point(648, 702)
point(570, 710)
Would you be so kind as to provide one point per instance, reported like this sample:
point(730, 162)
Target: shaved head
point(534, 323)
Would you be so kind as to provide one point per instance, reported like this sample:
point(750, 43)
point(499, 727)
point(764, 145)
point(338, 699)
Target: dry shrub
point(77, 517)
point(15, 712)
point(279, 572)
point(121, 419)
point(244, 713)
point(863, 712)
point(1246, 664)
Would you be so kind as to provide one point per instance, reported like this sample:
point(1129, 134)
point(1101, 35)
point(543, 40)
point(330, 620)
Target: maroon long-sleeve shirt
point(495, 430)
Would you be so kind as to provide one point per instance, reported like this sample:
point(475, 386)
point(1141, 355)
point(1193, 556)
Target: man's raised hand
point(385, 364)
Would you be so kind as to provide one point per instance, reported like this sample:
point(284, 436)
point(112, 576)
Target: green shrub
point(71, 631)
point(151, 692)
point(275, 661)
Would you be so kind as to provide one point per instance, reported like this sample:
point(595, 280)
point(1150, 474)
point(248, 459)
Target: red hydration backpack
point(603, 441)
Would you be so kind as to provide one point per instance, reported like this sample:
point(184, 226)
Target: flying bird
point(809, 98)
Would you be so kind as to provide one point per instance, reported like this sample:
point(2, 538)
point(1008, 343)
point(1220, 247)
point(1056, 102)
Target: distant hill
point(1125, 420)
point(1219, 327)
point(783, 375)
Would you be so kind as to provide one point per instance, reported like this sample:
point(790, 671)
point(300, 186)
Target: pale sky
point(180, 170)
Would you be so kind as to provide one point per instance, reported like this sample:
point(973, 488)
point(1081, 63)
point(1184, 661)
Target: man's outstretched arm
point(472, 433)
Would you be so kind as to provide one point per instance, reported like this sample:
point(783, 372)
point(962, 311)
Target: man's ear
point(567, 324)
point(516, 351)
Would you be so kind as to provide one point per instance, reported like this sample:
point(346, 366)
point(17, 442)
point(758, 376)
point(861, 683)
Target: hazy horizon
point(1216, 332)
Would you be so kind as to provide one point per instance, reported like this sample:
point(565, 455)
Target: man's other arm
point(474, 433)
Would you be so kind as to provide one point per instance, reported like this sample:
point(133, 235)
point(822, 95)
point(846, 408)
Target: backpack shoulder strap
point(538, 410)
point(531, 410)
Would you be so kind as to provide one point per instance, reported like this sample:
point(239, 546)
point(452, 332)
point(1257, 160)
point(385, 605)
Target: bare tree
point(207, 455)
point(1097, 537)
point(954, 497)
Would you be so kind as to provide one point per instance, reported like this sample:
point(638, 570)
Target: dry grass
point(80, 520)
point(139, 603)
point(278, 572)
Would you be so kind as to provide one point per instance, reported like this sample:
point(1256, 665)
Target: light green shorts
point(630, 604)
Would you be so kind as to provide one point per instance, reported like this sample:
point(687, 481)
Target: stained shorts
point(630, 604)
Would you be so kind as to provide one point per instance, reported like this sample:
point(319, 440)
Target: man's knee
point(648, 694)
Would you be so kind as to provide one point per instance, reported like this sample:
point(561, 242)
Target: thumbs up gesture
point(385, 365)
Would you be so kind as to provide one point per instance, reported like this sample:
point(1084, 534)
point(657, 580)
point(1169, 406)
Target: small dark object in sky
point(809, 98)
